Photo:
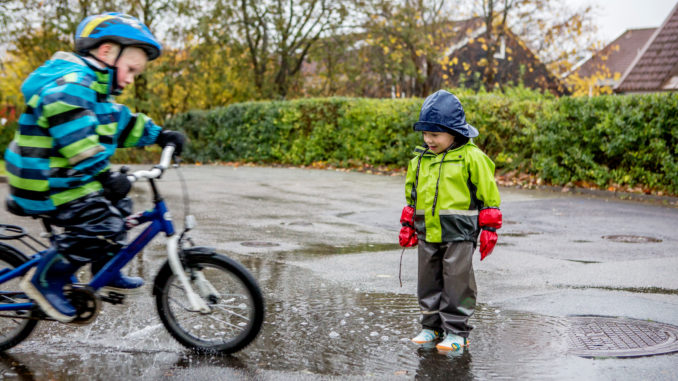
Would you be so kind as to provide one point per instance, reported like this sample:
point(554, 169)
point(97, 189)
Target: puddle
point(259, 244)
point(582, 261)
point(631, 238)
point(321, 328)
point(318, 326)
point(299, 223)
point(329, 329)
point(520, 234)
point(322, 249)
point(636, 290)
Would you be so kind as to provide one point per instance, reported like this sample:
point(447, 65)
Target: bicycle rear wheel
point(15, 325)
point(235, 302)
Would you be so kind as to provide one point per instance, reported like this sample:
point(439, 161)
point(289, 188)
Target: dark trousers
point(446, 287)
point(94, 229)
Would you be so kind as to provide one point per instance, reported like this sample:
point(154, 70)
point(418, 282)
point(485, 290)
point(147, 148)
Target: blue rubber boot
point(120, 283)
point(45, 285)
point(124, 283)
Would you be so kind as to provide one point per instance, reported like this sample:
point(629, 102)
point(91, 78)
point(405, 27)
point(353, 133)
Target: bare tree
point(555, 32)
point(279, 34)
point(413, 36)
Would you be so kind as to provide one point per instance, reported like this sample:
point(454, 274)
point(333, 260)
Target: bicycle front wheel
point(233, 296)
point(15, 325)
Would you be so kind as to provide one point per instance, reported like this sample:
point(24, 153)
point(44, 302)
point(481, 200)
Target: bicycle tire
point(13, 330)
point(228, 328)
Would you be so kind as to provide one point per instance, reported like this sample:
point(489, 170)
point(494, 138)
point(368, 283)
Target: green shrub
point(6, 135)
point(606, 140)
point(627, 141)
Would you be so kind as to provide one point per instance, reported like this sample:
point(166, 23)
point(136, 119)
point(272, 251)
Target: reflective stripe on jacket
point(68, 132)
point(465, 184)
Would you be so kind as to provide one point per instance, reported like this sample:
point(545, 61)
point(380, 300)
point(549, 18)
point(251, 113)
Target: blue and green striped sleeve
point(138, 130)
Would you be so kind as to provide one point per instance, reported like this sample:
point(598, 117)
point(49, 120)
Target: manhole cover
point(259, 244)
point(605, 336)
point(631, 238)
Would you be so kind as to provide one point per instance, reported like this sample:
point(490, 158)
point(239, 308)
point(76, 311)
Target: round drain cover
point(606, 336)
point(259, 244)
point(631, 238)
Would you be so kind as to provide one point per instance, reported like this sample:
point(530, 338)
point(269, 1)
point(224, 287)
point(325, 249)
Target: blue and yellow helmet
point(115, 27)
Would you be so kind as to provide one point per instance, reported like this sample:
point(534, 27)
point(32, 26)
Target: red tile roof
point(658, 62)
point(618, 55)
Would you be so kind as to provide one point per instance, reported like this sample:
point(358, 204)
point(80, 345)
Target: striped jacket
point(451, 188)
point(68, 132)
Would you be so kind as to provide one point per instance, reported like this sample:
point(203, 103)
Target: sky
point(615, 16)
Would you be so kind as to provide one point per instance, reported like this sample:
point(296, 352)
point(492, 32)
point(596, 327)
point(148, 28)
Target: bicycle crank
point(85, 301)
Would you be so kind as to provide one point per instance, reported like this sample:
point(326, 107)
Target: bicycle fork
point(197, 303)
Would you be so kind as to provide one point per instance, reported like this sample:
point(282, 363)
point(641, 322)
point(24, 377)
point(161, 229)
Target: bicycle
point(208, 302)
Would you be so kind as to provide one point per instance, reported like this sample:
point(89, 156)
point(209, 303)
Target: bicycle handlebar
point(165, 161)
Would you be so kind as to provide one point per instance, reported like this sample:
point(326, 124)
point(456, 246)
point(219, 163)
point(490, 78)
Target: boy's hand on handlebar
point(175, 138)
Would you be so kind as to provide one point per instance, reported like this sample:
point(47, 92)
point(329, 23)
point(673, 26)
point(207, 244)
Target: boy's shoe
point(124, 284)
point(426, 336)
point(45, 284)
point(452, 342)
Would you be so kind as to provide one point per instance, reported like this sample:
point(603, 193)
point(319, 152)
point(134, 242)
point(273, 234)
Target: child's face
point(437, 141)
point(131, 63)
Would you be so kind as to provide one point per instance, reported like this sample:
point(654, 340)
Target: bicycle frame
point(160, 222)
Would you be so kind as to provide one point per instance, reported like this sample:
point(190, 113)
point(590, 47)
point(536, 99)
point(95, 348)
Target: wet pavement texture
point(323, 246)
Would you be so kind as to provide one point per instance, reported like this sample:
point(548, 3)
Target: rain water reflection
point(313, 326)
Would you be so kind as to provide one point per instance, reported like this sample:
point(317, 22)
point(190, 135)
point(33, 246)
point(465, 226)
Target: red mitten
point(489, 221)
point(490, 217)
point(487, 241)
point(408, 236)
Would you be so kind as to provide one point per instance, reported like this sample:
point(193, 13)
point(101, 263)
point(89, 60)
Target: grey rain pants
point(446, 286)
point(94, 229)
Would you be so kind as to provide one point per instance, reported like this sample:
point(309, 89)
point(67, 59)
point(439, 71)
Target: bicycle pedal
point(112, 297)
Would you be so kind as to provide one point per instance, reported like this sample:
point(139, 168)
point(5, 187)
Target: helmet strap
point(115, 89)
point(112, 71)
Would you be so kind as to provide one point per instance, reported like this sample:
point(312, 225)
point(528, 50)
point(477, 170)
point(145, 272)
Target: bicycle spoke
point(175, 300)
point(234, 300)
point(233, 313)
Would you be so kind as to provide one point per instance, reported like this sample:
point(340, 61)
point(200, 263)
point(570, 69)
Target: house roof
point(658, 62)
point(618, 55)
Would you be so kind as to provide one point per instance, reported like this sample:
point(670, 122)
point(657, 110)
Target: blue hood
point(442, 112)
point(60, 64)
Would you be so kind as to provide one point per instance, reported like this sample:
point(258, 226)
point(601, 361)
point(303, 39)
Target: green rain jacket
point(449, 196)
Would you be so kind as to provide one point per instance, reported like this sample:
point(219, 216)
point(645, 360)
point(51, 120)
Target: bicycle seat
point(17, 210)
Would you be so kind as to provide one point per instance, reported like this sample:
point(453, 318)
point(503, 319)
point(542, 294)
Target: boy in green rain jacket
point(451, 196)
point(58, 162)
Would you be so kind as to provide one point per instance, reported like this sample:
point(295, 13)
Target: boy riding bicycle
point(58, 162)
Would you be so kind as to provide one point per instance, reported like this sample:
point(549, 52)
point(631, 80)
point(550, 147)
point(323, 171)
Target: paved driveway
point(323, 245)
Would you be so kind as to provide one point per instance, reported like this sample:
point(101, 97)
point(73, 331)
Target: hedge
point(625, 141)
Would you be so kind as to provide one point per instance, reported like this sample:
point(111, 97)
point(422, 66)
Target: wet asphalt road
point(323, 245)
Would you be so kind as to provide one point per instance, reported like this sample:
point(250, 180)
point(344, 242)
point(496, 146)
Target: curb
point(670, 200)
point(666, 200)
